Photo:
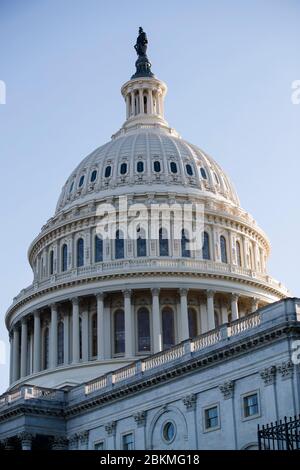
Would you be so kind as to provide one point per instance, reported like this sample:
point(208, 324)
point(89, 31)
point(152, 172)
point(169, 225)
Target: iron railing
point(281, 435)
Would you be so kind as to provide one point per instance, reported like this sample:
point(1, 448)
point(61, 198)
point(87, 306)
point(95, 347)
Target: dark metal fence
point(281, 435)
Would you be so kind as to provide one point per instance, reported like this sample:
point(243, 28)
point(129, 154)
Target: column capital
point(227, 389)
point(75, 300)
point(127, 293)
point(210, 293)
point(268, 375)
point(54, 306)
point(110, 428)
point(235, 296)
point(24, 321)
point(155, 291)
point(100, 295)
point(183, 291)
point(190, 401)
point(140, 418)
point(36, 313)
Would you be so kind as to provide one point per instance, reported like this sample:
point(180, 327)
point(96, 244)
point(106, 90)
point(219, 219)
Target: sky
point(229, 66)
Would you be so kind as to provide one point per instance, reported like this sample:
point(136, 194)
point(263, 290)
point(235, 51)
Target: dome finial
point(143, 65)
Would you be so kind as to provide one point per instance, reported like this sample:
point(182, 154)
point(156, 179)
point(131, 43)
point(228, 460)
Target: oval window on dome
point(93, 176)
point(156, 166)
point(173, 167)
point(107, 171)
point(140, 167)
point(123, 169)
point(81, 181)
point(203, 173)
point(189, 169)
point(71, 187)
point(169, 431)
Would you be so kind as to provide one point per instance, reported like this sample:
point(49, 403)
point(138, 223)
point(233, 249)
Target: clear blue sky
point(229, 66)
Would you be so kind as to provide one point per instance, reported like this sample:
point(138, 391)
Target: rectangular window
point(99, 445)
point(128, 441)
point(250, 405)
point(211, 417)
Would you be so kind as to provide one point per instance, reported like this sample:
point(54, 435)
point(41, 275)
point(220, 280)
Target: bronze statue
point(141, 43)
point(143, 64)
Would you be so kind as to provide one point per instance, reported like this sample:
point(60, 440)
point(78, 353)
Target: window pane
point(64, 264)
point(51, 262)
point(80, 252)
point(192, 323)
point(143, 330)
point(157, 166)
point(140, 167)
point(189, 170)
point(46, 348)
point(223, 249)
point(203, 173)
point(81, 181)
point(141, 246)
point(60, 343)
point(93, 176)
point(163, 243)
point(168, 328)
point(128, 442)
point(119, 245)
point(211, 417)
point(107, 172)
point(185, 252)
point(251, 405)
point(98, 249)
point(123, 169)
point(205, 247)
point(119, 332)
point(173, 167)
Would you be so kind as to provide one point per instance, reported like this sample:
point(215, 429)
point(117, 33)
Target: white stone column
point(127, 106)
point(132, 104)
point(66, 338)
point(128, 324)
point(184, 330)
point(211, 310)
point(16, 354)
point(157, 103)
point(24, 339)
point(75, 330)
point(85, 335)
point(37, 343)
point(100, 327)
point(203, 317)
point(141, 101)
point(53, 337)
point(254, 305)
point(11, 342)
point(224, 312)
point(156, 322)
point(150, 102)
point(234, 307)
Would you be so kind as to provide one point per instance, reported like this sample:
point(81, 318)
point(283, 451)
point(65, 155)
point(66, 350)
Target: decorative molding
point(227, 389)
point(190, 401)
point(268, 375)
point(286, 370)
point(140, 418)
point(110, 428)
point(59, 443)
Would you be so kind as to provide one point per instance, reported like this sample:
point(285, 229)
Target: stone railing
point(107, 267)
point(243, 324)
point(124, 373)
point(162, 358)
point(96, 385)
point(204, 341)
point(28, 392)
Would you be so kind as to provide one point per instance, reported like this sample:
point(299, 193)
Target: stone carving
point(268, 375)
point(110, 428)
point(227, 389)
point(190, 401)
point(286, 370)
point(140, 418)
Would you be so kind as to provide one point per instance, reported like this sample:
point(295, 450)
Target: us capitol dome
point(96, 304)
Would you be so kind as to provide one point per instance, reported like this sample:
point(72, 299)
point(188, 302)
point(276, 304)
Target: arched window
point(46, 348)
point(203, 173)
point(119, 331)
point(123, 168)
point(141, 247)
point(193, 328)
point(163, 242)
point(156, 166)
point(189, 169)
point(94, 336)
point(140, 167)
point(107, 172)
point(205, 246)
point(64, 257)
point(51, 262)
point(238, 254)
point(119, 245)
point(223, 249)
point(60, 343)
point(185, 252)
point(143, 326)
point(168, 328)
point(93, 176)
point(173, 167)
point(81, 181)
point(80, 252)
point(98, 249)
